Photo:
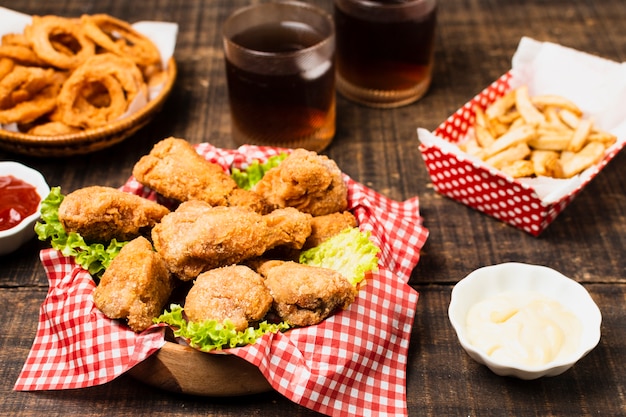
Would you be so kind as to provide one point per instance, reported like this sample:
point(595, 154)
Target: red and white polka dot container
point(487, 189)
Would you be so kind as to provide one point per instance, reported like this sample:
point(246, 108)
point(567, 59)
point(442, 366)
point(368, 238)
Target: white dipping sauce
point(523, 328)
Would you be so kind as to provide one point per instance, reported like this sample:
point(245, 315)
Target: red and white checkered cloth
point(353, 363)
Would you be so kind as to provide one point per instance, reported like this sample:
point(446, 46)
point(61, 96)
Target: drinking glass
point(384, 50)
point(280, 70)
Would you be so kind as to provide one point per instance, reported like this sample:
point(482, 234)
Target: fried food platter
point(286, 362)
point(90, 140)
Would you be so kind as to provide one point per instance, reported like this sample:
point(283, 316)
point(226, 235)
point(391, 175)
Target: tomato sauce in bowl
point(18, 200)
point(22, 190)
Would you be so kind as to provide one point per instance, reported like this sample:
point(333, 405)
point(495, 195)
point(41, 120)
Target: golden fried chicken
point(175, 170)
point(305, 295)
point(197, 237)
point(100, 214)
point(327, 226)
point(310, 182)
point(322, 228)
point(135, 286)
point(234, 293)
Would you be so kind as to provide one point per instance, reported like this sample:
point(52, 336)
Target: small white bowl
point(13, 238)
point(514, 277)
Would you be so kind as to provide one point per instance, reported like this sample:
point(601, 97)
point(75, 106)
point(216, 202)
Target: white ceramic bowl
point(489, 281)
point(14, 237)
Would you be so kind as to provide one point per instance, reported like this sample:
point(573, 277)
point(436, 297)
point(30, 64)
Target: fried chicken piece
point(135, 286)
point(198, 237)
point(327, 226)
point(310, 182)
point(234, 293)
point(322, 228)
point(305, 295)
point(101, 214)
point(175, 170)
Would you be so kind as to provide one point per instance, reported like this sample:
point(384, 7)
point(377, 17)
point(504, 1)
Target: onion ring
point(15, 46)
point(120, 38)
point(76, 109)
point(27, 93)
point(46, 31)
point(117, 77)
point(22, 55)
point(123, 69)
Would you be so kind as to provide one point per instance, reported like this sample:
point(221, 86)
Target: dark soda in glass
point(384, 50)
point(288, 102)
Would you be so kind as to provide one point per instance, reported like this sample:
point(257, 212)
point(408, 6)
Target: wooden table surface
point(379, 148)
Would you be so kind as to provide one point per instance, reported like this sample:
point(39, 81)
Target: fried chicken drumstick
point(197, 237)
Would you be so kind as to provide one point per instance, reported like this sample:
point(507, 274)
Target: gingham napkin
point(352, 363)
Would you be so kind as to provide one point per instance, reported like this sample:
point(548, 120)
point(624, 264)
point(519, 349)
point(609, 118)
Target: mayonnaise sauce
point(523, 328)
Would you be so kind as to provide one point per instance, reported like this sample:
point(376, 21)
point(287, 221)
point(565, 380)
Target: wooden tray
point(179, 368)
point(90, 140)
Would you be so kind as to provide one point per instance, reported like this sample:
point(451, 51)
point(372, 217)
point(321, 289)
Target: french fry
point(569, 118)
point(608, 139)
point(498, 128)
point(509, 155)
point(483, 136)
point(566, 156)
point(555, 168)
point(545, 162)
point(521, 134)
point(553, 120)
point(509, 117)
point(587, 156)
point(579, 138)
point(550, 142)
point(519, 169)
point(501, 105)
point(529, 112)
point(472, 147)
point(550, 130)
point(549, 100)
point(480, 119)
point(544, 135)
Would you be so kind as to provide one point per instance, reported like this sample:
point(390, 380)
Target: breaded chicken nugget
point(135, 286)
point(175, 170)
point(234, 293)
point(310, 182)
point(197, 237)
point(305, 295)
point(101, 214)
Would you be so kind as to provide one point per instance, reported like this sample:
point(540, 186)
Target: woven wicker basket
point(89, 140)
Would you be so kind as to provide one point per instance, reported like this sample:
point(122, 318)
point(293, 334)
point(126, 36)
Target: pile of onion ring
point(65, 75)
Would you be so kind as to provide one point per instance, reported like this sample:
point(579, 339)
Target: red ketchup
point(18, 200)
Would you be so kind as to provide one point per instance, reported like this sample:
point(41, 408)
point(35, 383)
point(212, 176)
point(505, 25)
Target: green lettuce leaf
point(249, 176)
point(350, 253)
point(213, 335)
point(94, 257)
